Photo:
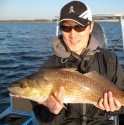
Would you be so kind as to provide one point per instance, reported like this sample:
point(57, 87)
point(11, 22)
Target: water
point(25, 46)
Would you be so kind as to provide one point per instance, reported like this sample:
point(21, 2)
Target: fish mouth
point(14, 94)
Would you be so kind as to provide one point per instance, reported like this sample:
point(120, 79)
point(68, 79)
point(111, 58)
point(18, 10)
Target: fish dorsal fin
point(69, 69)
point(96, 76)
point(65, 69)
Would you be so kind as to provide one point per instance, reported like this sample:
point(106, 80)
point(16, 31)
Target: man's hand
point(109, 103)
point(55, 106)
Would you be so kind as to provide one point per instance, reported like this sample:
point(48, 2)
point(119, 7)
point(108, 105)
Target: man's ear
point(91, 27)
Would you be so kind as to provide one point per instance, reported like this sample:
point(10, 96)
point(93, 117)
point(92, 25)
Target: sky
point(49, 9)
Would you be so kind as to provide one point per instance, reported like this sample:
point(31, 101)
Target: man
point(77, 48)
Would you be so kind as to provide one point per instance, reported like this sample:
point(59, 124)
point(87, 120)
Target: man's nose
point(72, 33)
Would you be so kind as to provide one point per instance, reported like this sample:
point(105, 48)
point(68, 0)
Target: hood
point(60, 50)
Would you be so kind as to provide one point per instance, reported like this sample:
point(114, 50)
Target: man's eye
point(79, 26)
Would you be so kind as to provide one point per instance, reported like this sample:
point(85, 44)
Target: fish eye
point(22, 85)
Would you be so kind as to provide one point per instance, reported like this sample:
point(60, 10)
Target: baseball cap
point(76, 11)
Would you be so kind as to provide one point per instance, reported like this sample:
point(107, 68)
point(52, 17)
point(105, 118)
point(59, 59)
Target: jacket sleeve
point(119, 76)
point(118, 80)
point(114, 69)
point(111, 67)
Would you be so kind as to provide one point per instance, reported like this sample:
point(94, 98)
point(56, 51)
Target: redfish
point(79, 88)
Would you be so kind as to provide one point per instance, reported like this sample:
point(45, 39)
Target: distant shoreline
point(46, 21)
point(37, 20)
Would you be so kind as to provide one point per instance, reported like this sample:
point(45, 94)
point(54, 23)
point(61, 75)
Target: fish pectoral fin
point(58, 101)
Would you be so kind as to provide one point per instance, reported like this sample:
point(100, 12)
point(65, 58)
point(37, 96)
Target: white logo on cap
point(71, 10)
point(87, 14)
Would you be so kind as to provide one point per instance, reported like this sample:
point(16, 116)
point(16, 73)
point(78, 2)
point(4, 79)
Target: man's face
point(76, 41)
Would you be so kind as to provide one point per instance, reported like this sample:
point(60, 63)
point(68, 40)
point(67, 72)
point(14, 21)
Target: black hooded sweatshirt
point(93, 58)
